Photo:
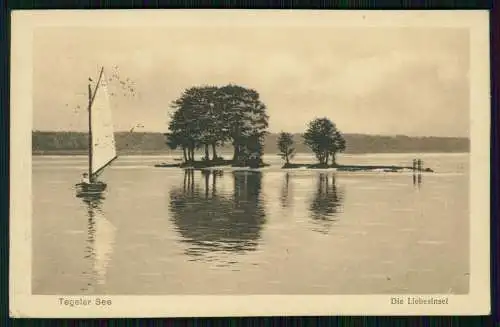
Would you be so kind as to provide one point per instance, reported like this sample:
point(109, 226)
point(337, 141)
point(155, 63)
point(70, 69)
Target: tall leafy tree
point(251, 151)
point(337, 145)
point(176, 137)
point(206, 104)
point(324, 139)
point(217, 129)
point(184, 126)
point(209, 116)
point(246, 118)
point(174, 141)
point(192, 124)
point(285, 146)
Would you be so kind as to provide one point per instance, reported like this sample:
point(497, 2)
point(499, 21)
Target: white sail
point(103, 139)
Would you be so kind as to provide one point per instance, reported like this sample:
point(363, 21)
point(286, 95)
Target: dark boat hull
point(84, 189)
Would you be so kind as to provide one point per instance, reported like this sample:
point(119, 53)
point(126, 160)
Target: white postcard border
point(24, 304)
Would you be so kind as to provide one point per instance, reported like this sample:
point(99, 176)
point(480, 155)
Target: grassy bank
point(211, 163)
point(230, 163)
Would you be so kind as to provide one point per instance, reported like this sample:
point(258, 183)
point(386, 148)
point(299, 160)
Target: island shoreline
point(203, 165)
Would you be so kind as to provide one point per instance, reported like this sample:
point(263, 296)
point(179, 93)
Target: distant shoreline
point(137, 143)
point(85, 152)
point(166, 153)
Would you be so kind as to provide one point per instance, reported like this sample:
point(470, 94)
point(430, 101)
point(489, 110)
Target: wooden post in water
point(419, 165)
point(417, 171)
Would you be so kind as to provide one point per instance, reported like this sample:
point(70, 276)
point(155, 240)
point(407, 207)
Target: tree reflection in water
point(212, 222)
point(326, 203)
point(285, 192)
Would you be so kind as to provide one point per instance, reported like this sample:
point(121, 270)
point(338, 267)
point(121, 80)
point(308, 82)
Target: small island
point(207, 117)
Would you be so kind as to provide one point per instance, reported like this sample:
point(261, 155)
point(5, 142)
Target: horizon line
point(270, 132)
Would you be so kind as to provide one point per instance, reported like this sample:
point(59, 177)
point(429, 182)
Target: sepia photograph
point(194, 163)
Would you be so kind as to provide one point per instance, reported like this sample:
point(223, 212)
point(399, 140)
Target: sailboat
point(102, 146)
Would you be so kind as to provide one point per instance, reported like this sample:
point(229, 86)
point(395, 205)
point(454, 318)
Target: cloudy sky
point(411, 81)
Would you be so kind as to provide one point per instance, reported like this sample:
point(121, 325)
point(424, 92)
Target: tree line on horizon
point(206, 117)
point(136, 142)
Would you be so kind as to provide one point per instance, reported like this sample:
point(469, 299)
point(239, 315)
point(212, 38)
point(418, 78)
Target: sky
point(368, 80)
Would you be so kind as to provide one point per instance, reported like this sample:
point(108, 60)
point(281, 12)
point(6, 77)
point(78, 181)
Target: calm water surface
point(168, 231)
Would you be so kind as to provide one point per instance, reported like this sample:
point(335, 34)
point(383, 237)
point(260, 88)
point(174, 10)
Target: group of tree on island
point(322, 137)
point(209, 116)
point(206, 117)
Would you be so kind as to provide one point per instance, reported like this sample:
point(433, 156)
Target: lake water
point(161, 231)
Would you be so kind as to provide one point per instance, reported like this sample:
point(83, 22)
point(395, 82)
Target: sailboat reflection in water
point(214, 221)
point(100, 242)
point(102, 147)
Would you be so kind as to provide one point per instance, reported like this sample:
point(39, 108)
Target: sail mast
point(91, 100)
point(90, 133)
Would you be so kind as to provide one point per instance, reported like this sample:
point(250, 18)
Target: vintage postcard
point(189, 163)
